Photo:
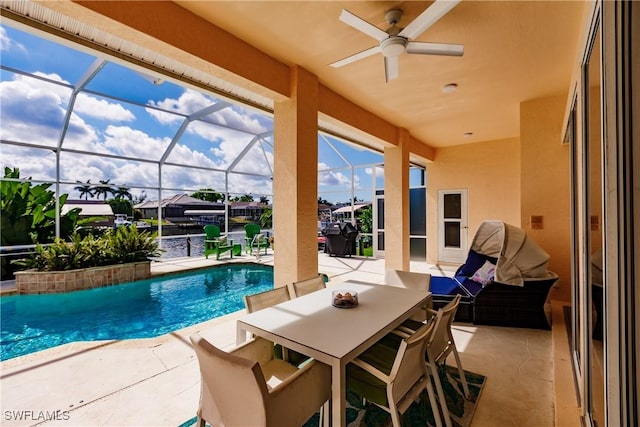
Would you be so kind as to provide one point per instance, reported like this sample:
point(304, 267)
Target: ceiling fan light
point(449, 88)
point(393, 46)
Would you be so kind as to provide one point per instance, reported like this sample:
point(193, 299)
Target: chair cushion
point(441, 285)
point(366, 385)
point(276, 371)
point(471, 287)
point(222, 240)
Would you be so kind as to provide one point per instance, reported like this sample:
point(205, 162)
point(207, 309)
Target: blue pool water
point(142, 309)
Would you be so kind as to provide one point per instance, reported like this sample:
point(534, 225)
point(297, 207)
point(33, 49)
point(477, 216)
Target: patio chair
point(439, 346)
point(214, 243)
point(248, 387)
point(270, 298)
point(266, 299)
point(411, 280)
point(304, 287)
point(393, 376)
point(254, 239)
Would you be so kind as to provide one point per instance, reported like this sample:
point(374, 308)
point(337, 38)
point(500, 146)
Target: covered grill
point(341, 238)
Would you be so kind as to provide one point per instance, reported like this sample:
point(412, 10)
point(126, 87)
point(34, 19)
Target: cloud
point(134, 143)
point(102, 109)
point(29, 112)
point(33, 111)
point(188, 102)
point(333, 178)
point(6, 43)
point(191, 102)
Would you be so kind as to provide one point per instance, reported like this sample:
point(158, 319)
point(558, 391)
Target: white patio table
point(311, 325)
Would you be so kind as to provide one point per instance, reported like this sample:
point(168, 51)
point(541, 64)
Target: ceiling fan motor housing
point(393, 16)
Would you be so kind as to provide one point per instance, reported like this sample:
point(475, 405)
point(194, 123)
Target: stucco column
point(295, 181)
point(396, 203)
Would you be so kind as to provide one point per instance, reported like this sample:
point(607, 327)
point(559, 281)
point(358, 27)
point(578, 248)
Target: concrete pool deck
point(156, 381)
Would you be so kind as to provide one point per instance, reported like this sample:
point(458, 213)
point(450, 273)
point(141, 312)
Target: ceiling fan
point(395, 41)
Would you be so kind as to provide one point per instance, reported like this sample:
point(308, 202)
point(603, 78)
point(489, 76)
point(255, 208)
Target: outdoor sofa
point(504, 280)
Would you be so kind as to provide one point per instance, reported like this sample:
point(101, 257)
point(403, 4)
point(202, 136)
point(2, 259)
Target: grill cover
point(341, 238)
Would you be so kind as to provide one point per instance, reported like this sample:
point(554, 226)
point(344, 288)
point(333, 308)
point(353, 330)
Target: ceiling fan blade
point(427, 18)
point(390, 68)
point(425, 48)
point(355, 57)
point(362, 25)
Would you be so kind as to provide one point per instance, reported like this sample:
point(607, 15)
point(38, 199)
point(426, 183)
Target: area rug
point(419, 413)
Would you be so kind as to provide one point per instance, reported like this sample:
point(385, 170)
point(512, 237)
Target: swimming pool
point(142, 309)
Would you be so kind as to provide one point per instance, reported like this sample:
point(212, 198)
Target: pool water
point(141, 309)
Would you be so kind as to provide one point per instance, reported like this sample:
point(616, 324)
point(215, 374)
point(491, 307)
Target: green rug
point(419, 413)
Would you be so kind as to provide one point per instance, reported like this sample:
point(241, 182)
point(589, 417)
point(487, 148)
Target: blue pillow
point(474, 262)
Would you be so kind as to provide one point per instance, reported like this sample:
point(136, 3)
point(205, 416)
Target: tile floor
point(155, 382)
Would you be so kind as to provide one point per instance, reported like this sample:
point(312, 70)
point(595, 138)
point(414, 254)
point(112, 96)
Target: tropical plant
point(31, 209)
point(366, 219)
point(60, 255)
point(264, 200)
point(124, 245)
point(28, 214)
point(266, 219)
point(122, 193)
point(103, 189)
point(366, 225)
point(85, 189)
point(127, 244)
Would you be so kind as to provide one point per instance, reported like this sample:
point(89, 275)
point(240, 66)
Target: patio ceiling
point(513, 51)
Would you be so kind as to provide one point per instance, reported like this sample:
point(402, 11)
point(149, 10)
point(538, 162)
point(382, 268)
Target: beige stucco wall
point(490, 171)
point(545, 184)
point(511, 180)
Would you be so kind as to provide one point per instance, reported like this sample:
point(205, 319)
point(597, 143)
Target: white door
point(452, 226)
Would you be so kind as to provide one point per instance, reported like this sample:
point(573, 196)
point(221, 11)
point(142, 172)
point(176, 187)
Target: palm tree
point(85, 189)
point(122, 193)
point(104, 189)
point(264, 200)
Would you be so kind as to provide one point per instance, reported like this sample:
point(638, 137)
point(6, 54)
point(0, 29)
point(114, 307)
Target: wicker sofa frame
point(499, 304)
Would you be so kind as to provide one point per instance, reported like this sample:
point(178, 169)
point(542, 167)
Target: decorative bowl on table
point(344, 298)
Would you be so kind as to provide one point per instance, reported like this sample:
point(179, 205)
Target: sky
point(121, 124)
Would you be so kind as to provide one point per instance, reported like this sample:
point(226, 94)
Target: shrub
point(123, 245)
point(128, 244)
point(28, 213)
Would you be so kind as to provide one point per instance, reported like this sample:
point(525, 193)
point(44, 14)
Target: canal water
point(179, 246)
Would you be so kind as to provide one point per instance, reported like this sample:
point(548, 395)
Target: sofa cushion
point(484, 274)
point(474, 262)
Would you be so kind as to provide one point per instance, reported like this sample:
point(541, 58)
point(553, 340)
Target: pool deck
point(150, 382)
point(156, 381)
